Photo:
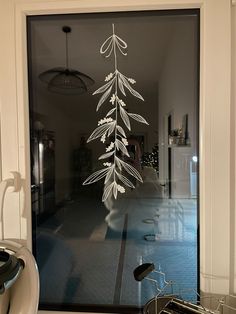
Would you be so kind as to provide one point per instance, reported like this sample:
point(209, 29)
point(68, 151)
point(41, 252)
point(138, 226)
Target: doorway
point(110, 232)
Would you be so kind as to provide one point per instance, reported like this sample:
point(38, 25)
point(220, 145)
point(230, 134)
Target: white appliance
point(19, 279)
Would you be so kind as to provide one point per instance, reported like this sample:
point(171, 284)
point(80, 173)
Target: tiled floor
point(96, 265)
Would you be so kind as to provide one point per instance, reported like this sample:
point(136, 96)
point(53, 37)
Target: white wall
point(232, 160)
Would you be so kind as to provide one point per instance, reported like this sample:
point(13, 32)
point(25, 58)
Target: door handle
point(15, 183)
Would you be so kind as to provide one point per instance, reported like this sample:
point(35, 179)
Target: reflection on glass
point(87, 248)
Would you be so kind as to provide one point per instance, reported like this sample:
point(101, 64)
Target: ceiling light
point(64, 80)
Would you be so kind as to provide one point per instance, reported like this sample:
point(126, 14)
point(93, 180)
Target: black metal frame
point(112, 308)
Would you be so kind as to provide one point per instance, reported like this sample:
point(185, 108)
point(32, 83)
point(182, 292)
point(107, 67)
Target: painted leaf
point(107, 191)
point(109, 174)
point(121, 130)
point(131, 170)
point(115, 190)
point(125, 180)
point(121, 146)
point(104, 87)
point(99, 131)
point(107, 155)
point(121, 87)
point(110, 112)
point(96, 176)
point(132, 91)
point(103, 98)
point(118, 163)
point(138, 118)
point(111, 129)
point(125, 117)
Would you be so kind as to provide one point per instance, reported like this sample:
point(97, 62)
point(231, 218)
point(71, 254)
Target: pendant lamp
point(64, 80)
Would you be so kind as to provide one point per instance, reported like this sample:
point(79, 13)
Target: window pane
point(114, 156)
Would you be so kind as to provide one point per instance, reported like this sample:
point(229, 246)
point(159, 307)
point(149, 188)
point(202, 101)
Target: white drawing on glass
point(115, 89)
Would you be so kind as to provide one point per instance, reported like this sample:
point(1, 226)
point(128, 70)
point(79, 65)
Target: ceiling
point(148, 37)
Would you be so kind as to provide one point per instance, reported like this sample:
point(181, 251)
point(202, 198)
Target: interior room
point(117, 149)
point(152, 221)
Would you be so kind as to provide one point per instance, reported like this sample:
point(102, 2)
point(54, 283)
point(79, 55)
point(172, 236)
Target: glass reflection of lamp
point(63, 80)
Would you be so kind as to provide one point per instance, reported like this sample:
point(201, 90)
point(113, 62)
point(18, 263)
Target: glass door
point(99, 90)
point(214, 143)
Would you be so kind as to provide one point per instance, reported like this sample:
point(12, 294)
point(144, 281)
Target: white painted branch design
point(115, 181)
